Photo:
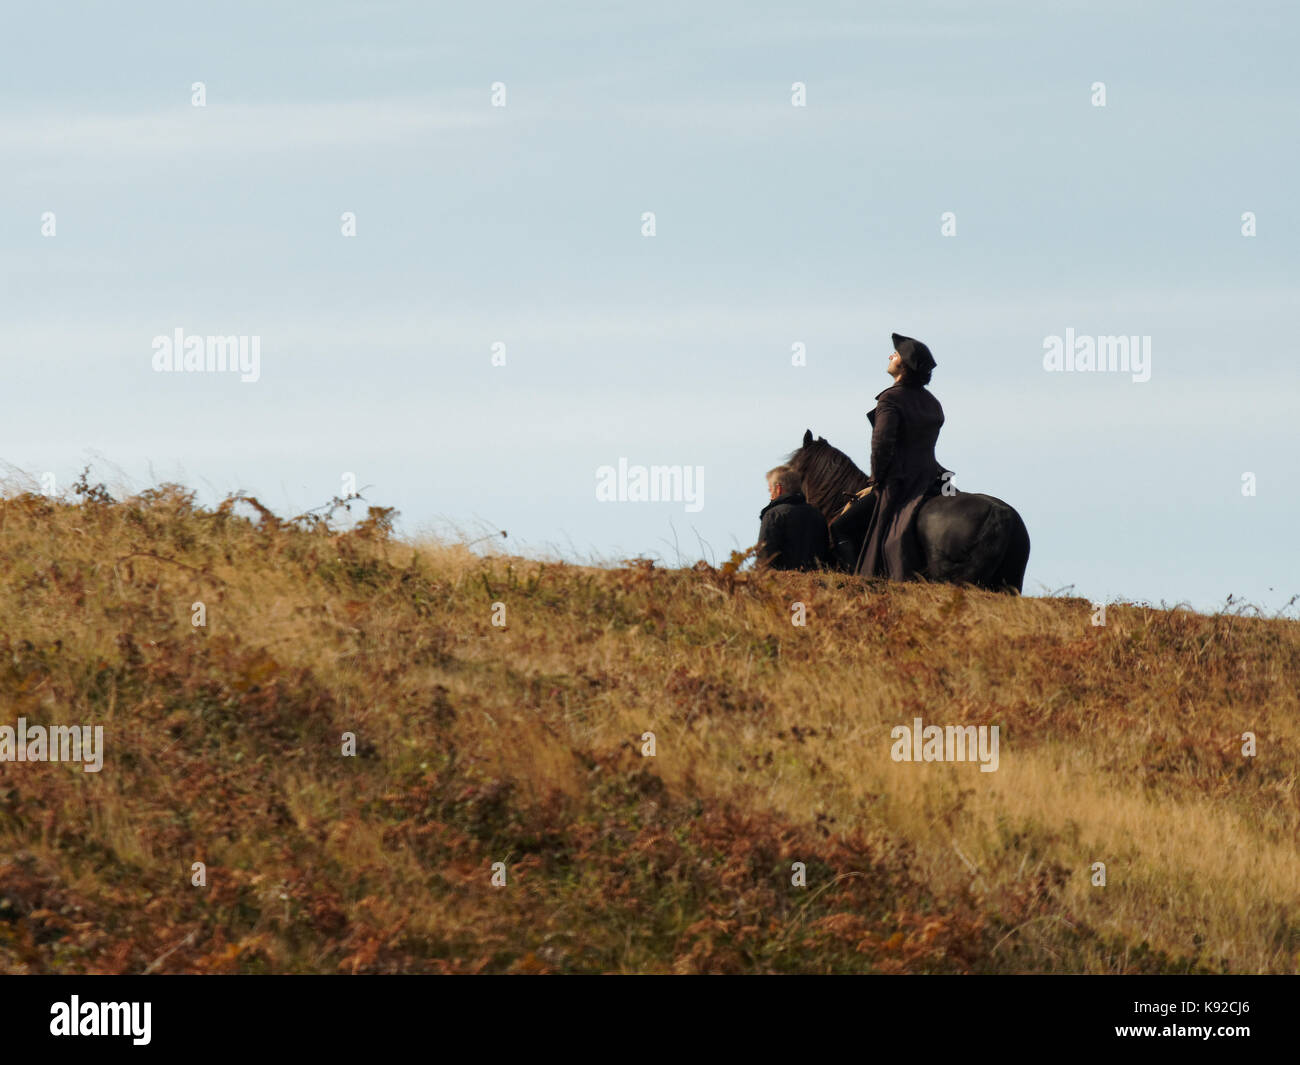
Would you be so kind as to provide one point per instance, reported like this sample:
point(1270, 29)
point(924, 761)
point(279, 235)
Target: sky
point(523, 226)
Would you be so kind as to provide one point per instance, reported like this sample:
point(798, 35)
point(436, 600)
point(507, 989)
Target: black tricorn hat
point(915, 355)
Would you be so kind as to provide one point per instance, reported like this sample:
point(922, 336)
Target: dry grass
point(480, 744)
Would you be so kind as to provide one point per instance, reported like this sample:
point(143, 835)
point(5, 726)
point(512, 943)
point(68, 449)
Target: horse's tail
point(1005, 525)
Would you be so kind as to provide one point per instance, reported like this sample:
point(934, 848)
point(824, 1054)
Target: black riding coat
point(904, 428)
point(792, 534)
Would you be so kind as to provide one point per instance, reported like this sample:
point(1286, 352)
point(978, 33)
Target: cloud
point(181, 134)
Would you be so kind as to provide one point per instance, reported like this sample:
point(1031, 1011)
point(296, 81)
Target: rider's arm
point(884, 439)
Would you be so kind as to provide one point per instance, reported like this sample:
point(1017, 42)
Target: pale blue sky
point(775, 224)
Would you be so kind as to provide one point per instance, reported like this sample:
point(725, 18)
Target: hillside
point(522, 744)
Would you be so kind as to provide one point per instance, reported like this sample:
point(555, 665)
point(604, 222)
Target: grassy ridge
point(522, 744)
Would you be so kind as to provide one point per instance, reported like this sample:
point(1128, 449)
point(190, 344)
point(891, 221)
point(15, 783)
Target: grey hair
point(787, 477)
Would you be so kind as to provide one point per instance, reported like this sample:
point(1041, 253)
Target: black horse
point(965, 537)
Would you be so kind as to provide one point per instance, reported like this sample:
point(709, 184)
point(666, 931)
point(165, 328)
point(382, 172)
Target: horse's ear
point(807, 437)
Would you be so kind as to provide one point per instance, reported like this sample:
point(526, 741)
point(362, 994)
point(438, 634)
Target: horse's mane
point(829, 475)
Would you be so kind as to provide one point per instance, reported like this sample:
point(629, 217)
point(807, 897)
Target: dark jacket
point(792, 534)
point(904, 428)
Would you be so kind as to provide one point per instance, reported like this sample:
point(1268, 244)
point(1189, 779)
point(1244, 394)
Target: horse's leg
point(849, 530)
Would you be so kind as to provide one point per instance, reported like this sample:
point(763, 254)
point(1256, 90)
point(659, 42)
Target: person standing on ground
point(792, 532)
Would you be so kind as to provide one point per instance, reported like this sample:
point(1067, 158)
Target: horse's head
point(808, 454)
point(828, 474)
point(805, 452)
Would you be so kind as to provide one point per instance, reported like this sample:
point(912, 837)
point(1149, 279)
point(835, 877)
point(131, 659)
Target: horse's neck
point(851, 479)
point(846, 481)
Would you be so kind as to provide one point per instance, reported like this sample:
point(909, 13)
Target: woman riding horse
point(904, 428)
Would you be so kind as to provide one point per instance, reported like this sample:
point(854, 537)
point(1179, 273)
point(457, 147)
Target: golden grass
point(480, 744)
